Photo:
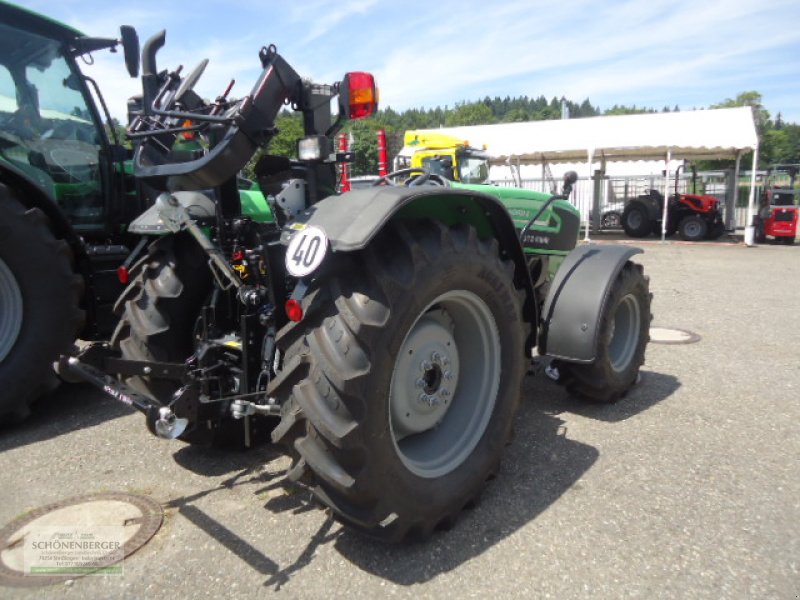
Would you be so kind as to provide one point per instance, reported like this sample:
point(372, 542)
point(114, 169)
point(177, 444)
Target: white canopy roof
point(700, 134)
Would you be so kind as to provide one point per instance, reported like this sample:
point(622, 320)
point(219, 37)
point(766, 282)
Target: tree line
point(779, 141)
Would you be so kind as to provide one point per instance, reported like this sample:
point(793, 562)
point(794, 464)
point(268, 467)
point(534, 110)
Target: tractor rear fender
point(573, 306)
point(353, 219)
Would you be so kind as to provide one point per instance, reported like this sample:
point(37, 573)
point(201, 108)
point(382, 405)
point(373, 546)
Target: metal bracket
point(244, 408)
point(176, 218)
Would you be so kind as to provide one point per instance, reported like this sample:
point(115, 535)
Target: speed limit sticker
point(306, 251)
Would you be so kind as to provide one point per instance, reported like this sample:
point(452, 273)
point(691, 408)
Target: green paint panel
point(254, 205)
point(522, 205)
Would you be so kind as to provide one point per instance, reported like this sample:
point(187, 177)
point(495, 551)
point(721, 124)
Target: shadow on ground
point(540, 465)
point(552, 398)
point(69, 408)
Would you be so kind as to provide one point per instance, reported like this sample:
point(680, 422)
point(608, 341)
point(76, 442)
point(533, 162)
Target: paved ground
point(689, 488)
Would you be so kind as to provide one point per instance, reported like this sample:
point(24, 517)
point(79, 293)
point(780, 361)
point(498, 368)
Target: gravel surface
point(688, 488)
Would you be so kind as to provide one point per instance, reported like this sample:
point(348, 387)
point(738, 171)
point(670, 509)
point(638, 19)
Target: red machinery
point(778, 214)
point(694, 217)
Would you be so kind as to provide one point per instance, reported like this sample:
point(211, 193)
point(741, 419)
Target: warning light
point(123, 275)
point(358, 95)
point(187, 135)
point(294, 310)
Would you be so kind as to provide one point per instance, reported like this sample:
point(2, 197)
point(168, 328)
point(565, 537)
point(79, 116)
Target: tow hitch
point(188, 406)
point(161, 420)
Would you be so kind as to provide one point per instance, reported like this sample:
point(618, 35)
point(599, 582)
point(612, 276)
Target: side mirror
point(130, 47)
point(570, 177)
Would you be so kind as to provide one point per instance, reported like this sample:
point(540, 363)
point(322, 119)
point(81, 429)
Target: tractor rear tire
point(635, 220)
point(693, 228)
point(40, 314)
point(158, 313)
point(404, 378)
point(621, 342)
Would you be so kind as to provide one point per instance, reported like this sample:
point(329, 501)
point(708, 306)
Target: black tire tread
point(158, 307)
point(322, 420)
point(596, 382)
point(52, 323)
point(647, 225)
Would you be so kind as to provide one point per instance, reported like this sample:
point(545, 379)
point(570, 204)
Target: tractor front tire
point(408, 370)
point(693, 228)
point(635, 220)
point(622, 339)
point(715, 231)
point(40, 314)
point(611, 220)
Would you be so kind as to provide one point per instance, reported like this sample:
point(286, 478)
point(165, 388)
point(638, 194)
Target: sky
point(650, 53)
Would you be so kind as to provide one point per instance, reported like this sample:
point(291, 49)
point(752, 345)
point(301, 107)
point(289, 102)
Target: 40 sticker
point(306, 251)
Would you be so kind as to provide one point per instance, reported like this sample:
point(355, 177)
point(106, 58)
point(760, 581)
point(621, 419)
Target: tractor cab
point(51, 134)
point(444, 155)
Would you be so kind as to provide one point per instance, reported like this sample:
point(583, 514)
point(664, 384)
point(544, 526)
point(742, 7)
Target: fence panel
point(619, 190)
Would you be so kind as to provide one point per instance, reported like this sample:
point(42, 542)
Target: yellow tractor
point(444, 155)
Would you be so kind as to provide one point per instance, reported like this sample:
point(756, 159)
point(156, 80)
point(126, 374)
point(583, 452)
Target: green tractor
point(67, 195)
point(381, 335)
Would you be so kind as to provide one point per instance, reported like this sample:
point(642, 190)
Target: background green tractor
point(67, 195)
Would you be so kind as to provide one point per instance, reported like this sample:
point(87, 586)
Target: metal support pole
point(586, 222)
point(750, 227)
point(731, 226)
point(665, 214)
point(344, 178)
point(597, 192)
point(544, 175)
point(383, 156)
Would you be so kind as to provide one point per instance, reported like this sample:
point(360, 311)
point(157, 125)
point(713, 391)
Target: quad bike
point(694, 217)
point(382, 334)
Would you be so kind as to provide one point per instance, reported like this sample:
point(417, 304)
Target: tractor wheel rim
point(635, 219)
point(692, 229)
point(444, 384)
point(10, 310)
point(625, 329)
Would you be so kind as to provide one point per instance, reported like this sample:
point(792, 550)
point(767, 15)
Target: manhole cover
point(663, 335)
point(75, 528)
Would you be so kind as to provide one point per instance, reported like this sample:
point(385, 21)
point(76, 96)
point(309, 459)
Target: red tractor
point(778, 214)
point(694, 217)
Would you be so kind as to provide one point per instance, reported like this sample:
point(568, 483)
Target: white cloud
point(654, 53)
point(584, 49)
